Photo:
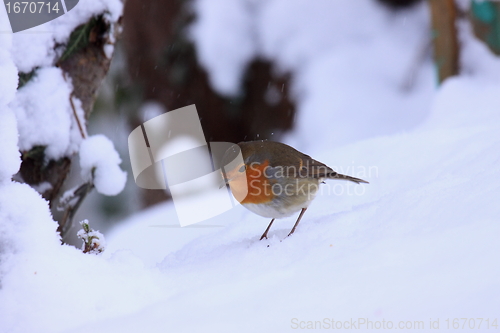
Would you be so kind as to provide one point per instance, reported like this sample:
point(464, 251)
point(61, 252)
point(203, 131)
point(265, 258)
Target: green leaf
point(78, 39)
point(25, 77)
point(37, 153)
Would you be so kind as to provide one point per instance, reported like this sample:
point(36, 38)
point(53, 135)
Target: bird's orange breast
point(253, 187)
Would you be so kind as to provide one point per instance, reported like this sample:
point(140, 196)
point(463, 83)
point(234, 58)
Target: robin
point(275, 180)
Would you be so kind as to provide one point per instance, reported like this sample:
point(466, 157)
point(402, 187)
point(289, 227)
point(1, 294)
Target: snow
point(100, 162)
point(9, 157)
point(108, 50)
point(45, 116)
point(219, 28)
point(42, 187)
point(9, 74)
point(34, 263)
point(35, 47)
point(45, 99)
point(353, 62)
point(419, 243)
point(151, 109)
point(31, 254)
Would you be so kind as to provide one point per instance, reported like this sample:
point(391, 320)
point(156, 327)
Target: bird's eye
point(242, 168)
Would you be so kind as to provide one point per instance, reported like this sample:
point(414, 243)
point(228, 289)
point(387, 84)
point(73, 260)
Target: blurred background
point(313, 74)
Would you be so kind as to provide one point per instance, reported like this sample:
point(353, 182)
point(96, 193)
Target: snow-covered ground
point(419, 244)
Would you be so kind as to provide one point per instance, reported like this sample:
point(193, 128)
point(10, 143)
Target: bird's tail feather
point(335, 175)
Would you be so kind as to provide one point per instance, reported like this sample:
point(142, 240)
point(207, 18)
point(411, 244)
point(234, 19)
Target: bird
point(274, 180)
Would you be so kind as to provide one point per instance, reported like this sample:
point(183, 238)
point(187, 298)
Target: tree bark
point(87, 66)
point(445, 39)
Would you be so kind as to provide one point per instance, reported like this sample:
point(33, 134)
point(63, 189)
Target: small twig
point(76, 116)
point(71, 208)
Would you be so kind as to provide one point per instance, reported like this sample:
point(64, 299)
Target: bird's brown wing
point(298, 165)
point(309, 167)
point(287, 161)
point(303, 166)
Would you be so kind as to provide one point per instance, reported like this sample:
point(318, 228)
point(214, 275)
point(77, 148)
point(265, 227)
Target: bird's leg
point(264, 235)
point(298, 220)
